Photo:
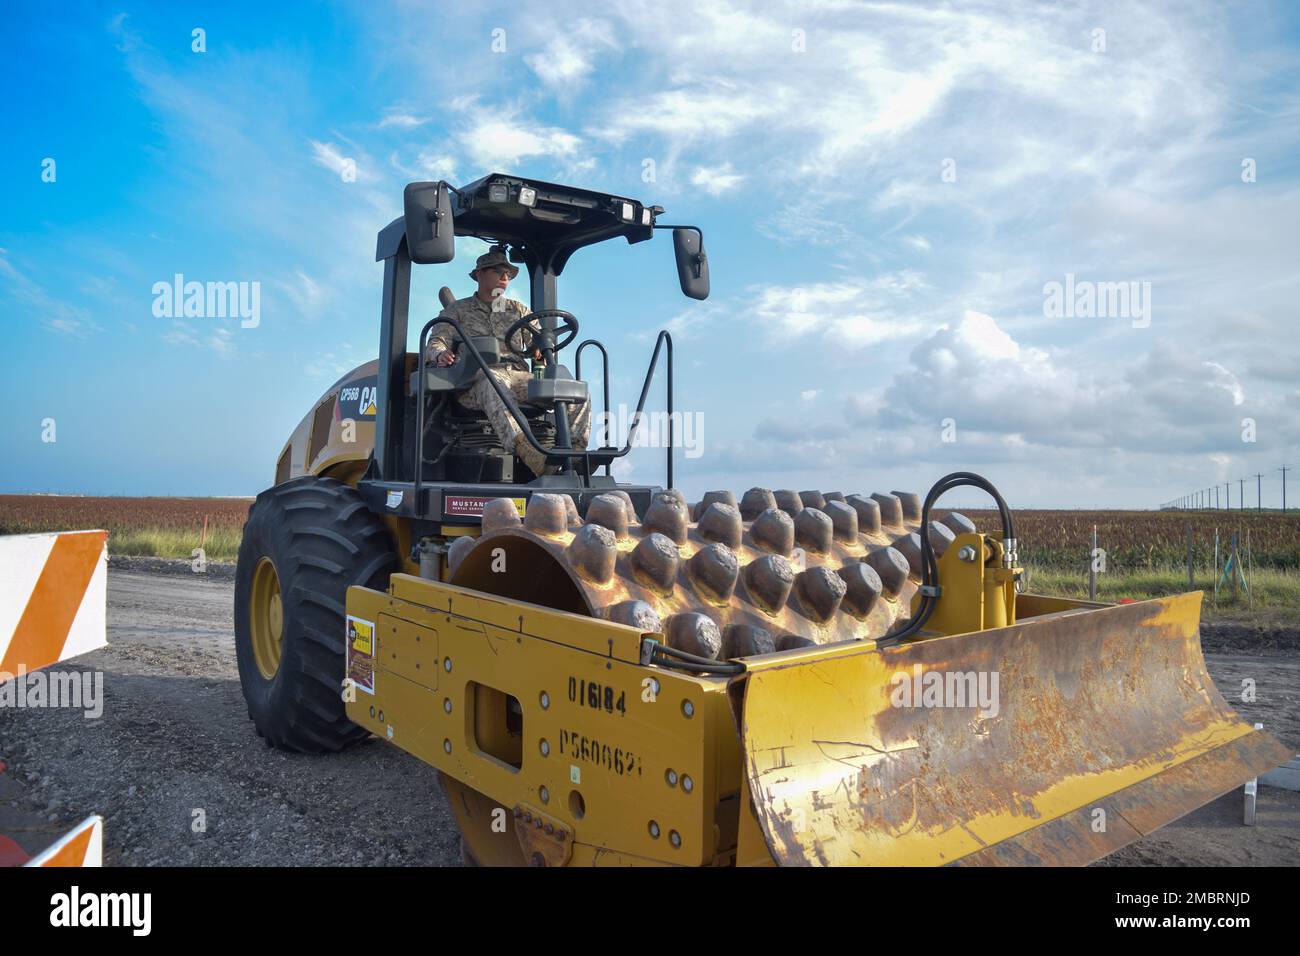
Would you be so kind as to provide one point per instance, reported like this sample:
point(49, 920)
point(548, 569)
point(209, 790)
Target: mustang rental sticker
point(361, 653)
point(473, 506)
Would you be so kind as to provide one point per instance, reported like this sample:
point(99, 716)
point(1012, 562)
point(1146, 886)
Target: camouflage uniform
point(478, 318)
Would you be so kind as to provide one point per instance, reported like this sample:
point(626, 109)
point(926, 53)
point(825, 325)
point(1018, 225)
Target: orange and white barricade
point(53, 606)
point(53, 598)
point(81, 846)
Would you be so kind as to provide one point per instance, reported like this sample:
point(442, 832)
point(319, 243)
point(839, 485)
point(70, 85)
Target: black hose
point(672, 657)
point(929, 565)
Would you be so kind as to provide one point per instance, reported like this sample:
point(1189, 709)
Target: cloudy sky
point(889, 193)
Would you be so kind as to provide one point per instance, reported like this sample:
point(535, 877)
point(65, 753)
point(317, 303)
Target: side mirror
point(430, 232)
point(692, 263)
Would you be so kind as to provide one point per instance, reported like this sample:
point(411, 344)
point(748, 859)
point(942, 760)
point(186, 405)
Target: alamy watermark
point(934, 689)
point(78, 690)
point(652, 429)
point(208, 300)
point(1084, 299)
point(129, 910)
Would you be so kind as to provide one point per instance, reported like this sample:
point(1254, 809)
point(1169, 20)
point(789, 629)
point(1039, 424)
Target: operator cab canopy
point(542, 223)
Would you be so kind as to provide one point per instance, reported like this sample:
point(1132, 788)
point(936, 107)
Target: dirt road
point(176, 770)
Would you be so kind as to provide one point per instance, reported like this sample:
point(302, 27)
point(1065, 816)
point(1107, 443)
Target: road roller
point(608, 673)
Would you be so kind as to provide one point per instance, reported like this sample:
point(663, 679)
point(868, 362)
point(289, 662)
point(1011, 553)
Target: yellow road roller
point(605, 673)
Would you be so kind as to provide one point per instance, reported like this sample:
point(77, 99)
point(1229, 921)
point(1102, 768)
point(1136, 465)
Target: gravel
point(179, 775)
point(174, 765)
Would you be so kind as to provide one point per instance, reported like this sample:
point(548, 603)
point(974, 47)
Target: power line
point(1204, 499)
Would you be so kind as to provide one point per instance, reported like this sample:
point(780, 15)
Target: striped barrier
point(53, 598)
point(83, 845)
point(53, 606)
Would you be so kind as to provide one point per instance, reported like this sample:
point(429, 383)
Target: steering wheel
point(566, 331)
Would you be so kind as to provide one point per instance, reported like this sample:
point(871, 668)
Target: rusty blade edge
point(1136, 811)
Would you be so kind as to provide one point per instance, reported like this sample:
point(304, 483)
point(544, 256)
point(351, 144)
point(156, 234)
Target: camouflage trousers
point(483, 397)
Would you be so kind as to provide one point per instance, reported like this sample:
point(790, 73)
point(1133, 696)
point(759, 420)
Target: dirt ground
point(176, 770)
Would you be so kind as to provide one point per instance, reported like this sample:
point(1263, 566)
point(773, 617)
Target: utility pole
point(1284, 469)
point(1259, 493)
point(1242, 494)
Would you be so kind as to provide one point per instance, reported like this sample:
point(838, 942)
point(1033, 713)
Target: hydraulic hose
point(930, 566)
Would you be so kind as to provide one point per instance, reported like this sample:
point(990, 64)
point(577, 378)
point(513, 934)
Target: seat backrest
point(489, 346)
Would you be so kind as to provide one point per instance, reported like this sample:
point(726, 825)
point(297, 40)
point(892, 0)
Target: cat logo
point(369, 394)
point(359, 400)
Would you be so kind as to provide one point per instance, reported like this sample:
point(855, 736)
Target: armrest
point(556, 390)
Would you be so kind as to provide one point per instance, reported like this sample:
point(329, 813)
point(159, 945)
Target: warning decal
point(361, 654)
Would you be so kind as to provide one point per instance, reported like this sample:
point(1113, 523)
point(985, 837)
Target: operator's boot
point(535, 461)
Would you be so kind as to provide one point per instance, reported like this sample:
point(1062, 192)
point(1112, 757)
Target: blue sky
point(885, 191)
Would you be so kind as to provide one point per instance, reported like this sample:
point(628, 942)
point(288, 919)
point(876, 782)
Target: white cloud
point(1225, 380)
point(222, 342)
point(849, 314)
point(181, 334)
point(307, 296)
point(329, 156)
point(717, 109)
point(437, 165)
point(716, 180)
point(499, 144)
point(687, 324)
point(570, 55)
point(1165, 399)
point(218, 340)
point(401, 120)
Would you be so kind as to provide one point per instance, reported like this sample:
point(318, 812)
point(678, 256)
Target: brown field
point(1146, 551)
point(162, 527)
point(1144, 541)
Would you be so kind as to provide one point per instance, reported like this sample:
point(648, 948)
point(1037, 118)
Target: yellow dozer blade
point(1053, 741)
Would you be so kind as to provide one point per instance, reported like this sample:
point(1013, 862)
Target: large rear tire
point(305, 543)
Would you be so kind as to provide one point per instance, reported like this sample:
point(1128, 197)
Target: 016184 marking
point(587, 693)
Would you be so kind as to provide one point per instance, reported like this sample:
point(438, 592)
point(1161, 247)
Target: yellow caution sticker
point(361, 653)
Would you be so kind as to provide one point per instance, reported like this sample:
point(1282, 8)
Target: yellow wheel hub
point(266, 618)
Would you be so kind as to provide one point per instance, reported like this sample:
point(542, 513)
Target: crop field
point(1146, 555)
point(159, 527)
point(1145, 551)
point(1149, 540)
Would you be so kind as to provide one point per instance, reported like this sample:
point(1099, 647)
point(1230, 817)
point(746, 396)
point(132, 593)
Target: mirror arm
point(435, 214)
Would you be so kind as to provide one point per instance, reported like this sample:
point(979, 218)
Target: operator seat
point(460, 441)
